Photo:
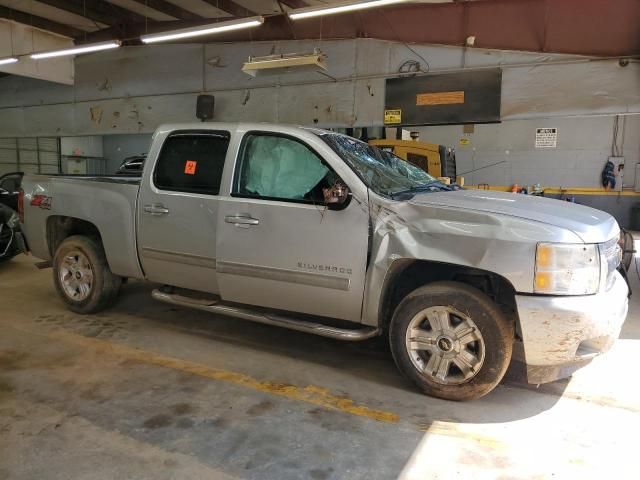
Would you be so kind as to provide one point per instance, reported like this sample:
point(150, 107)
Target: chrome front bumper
point(562, 334)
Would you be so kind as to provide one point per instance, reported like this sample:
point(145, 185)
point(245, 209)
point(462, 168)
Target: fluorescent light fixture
point(308, 12)
point(94, 47)
point(203, 30)
point(7, 61)
point(286, 63)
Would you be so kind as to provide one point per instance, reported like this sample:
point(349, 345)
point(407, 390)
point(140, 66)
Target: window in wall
point(281, 168)
point(192, 162)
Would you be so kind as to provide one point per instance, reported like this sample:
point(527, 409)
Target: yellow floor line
point(309, 394)
point(451, 430)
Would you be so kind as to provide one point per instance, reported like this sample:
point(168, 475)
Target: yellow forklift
point(437, 160)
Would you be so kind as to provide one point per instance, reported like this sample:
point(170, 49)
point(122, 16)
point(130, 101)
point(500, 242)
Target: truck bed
point(106, 202)
point(123, 179)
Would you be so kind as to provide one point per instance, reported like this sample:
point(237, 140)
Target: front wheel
point(451, 340)
point(82, 276)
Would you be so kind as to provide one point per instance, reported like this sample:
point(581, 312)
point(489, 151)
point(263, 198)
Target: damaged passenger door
point(283, 241)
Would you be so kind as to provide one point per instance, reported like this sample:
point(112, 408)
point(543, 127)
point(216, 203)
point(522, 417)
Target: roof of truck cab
point(244, 125)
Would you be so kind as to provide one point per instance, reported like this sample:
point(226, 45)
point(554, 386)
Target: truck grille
point(611, 255)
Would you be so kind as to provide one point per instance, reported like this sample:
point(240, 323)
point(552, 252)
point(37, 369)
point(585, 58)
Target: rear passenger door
point(178, 208)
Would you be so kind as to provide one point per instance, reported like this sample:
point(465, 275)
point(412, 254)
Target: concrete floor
point(145, 390)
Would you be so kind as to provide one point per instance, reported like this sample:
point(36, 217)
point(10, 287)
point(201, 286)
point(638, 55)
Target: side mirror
point(337, 197)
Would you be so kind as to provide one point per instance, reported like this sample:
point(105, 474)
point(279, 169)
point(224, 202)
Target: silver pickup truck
point(318, 232)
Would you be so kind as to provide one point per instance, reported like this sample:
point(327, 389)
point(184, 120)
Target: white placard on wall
point(546, 137)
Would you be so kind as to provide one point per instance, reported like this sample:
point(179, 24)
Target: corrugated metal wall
point(30, 155)
point(134, 89)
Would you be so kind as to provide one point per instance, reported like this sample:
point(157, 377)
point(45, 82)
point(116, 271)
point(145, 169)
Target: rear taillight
point(21, 205)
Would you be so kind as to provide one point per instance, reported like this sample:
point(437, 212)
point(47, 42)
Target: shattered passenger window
point(382, 171)
point(277, 167)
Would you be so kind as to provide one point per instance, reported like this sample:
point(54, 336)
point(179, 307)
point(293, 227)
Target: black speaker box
point(204, 107)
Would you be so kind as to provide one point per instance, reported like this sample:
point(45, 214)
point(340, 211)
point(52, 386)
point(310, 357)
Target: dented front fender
point(497, 243)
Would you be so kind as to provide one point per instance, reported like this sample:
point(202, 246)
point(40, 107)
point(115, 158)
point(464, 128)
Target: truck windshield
point(382, 171)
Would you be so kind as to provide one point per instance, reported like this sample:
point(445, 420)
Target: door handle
point(156, 209)
point(241, 220)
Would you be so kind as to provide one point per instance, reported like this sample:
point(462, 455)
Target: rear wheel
point(8, 248)
point(82, 276)
point(451, 340)
point(8, 245)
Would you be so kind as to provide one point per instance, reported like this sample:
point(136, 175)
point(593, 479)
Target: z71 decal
point(41, 201)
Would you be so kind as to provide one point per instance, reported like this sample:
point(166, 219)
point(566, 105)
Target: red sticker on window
point(190, 167)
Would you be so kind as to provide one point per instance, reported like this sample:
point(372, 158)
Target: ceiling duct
point(286, 63)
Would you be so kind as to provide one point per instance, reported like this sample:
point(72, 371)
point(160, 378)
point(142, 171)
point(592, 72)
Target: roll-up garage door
point(8, 155)
point(30, 155)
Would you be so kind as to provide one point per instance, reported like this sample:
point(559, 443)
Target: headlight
point(567, 269)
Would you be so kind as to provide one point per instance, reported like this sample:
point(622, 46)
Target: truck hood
point(591, 225)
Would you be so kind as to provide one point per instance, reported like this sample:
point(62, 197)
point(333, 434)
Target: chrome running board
point(268, 318)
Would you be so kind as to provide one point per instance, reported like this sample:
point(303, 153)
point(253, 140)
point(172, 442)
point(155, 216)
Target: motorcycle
point(11, 239)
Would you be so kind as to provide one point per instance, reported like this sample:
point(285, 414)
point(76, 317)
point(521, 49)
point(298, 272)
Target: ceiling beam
point(422, 24)
point(294, 3)
point(131, 31)
point(96, 10)
point(231, 8)
point(170, 9)
point(39, 22)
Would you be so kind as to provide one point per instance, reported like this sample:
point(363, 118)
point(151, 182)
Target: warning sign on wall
point(546, 137)
point(392, 117)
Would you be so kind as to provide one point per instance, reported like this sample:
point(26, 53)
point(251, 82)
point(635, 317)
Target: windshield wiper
point(433, 186)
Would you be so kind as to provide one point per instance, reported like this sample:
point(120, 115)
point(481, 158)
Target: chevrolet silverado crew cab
point(318, 232)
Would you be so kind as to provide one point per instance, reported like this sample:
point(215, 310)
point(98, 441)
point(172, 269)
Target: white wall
point(85, 146)
point(584, 144)
point(119, 147)
point(132, 90)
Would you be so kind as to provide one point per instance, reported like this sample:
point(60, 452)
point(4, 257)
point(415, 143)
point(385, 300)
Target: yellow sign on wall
point(392, 117)
point(465, 141)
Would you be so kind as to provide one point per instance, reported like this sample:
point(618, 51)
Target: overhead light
point(308, 12)
point(203, 30)
point(286, 63)
point(94, 47)
point(7, 61)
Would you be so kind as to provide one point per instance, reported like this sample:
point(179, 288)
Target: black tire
point(491, 352)
point(11, 250)
point(8, 257)
point(7, 237)
point(104, 285)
